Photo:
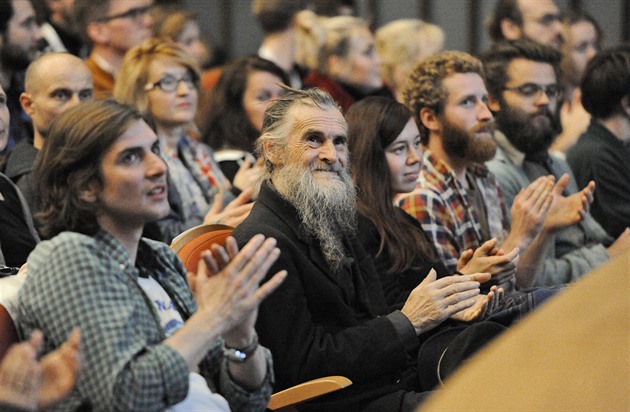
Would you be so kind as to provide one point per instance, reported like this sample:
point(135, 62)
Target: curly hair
point(424, 85)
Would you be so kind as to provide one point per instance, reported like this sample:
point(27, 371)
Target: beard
point(529, 133)
point(327, 208)
point(15, 57)
point(465, 144)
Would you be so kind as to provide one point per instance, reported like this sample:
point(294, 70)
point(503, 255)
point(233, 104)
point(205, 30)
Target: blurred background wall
point(231, 28)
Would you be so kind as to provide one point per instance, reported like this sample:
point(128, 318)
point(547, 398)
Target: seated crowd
point(395, 206)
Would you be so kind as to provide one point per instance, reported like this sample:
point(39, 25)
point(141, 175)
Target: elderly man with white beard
point(330, 317)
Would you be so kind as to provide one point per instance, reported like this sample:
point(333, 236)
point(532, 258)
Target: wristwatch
point(240, 355)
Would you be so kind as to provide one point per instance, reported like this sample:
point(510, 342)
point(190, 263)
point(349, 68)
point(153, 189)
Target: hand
point(234, 213)
point(433, 301)
point(483, 304)
point(529, 211)
point(249, 175)
point(566, 211)
point(227, 286)
point(20, 374)
point(59, 371)
point(621, 245)
point(487, 258)
point(574, 119)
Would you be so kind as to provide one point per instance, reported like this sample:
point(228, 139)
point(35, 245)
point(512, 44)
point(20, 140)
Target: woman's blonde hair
point(134, 71)
point(320, 37)
point(404, 42)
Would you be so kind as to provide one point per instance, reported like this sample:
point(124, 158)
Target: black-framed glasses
point(169, 83)
point(533, 90)
point(133, 14)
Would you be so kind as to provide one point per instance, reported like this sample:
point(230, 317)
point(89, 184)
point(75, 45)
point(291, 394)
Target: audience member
point(17, 232)
point(110, 28)
point(162, 81)
point(536, 20)
point(583, 40)
point(58, 26)
point(19, 45)
point(236, 108)
point(148, 337)
point(53, 83)
point(522, 80)
point(456, 198)
point(401, 44)
point(278, 19)
point(344, 61)
point(29, 384)
point(330, 316)
point(181, 27)
point(602, 152)
point(385, 152)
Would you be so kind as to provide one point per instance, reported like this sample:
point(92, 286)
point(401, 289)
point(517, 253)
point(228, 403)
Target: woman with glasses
point(162, 81)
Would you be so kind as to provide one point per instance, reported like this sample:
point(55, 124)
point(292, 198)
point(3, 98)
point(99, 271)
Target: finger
point(255, 252)
point(258, 267)
point(488, 246)
point(244, 197)
point(562, 184)
point(207, 265)
point(217, 204)
point(36, 341)
point(220, 255)
point(269, 286)
point(459, 306)
point(231, 246)
point(246, 253)
point(430, 277)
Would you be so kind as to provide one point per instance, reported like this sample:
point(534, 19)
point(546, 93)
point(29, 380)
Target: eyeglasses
point(169, 83)
point(133, 14)
point(533, 90)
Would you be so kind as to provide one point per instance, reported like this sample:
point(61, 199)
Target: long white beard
point(327, 207)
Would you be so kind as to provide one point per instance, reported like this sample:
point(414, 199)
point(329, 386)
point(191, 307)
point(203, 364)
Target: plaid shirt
point(439, 202)
point(86, 281)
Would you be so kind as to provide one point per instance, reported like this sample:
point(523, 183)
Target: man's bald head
point(53, 83)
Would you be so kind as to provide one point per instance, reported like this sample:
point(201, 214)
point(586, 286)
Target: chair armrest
point(307, 390)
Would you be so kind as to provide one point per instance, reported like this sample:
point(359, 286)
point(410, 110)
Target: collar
point(512, 153)
point(103, 64)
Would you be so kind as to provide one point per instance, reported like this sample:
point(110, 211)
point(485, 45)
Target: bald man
point(53, 83)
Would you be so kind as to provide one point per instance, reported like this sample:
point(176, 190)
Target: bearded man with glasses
point(111, 27)
point(525, 96)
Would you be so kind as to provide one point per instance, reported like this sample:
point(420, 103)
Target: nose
point(590, 53)
point(483, 112)
point(542, 99)
point(157, 167)
point(327, 152)
point(413, 155)
point(183, 87)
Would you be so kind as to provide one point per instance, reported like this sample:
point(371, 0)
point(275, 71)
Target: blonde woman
point(162, 81)
point(401, 44)
point(341, 56)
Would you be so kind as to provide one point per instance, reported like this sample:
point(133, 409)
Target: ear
point(271, 153)
point(334, 65)
point(493, 104)
point(511, 30)
point(90, 193)
point(98, 33)
point(26, 100)
point(429, 119)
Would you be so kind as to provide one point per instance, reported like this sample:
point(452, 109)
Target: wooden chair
point(188, 247)
point(8, 332)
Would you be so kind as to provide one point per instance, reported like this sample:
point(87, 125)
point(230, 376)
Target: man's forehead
point(534, 9)
point(522, 70)
point(456, 84)
point(313, 118)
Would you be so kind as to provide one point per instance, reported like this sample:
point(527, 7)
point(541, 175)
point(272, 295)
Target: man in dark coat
point(330, 317)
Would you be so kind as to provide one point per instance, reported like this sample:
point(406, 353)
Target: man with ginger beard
point(524, 94)
point(457, 200)
point(330, 317)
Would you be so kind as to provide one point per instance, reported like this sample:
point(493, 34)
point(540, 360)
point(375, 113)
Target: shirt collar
point(513, 154)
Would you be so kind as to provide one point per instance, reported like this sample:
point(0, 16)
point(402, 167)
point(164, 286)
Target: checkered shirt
point(440, 203)
point(85, 281)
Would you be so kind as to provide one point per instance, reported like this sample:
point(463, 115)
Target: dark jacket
point(19, 168)
point(319, 323)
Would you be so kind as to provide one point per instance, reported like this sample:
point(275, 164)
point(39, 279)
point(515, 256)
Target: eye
point(3, 100)
point(85, 94)
point(528, 90)
point(167, 81)
point(130, 157)
point(62, 95)
point(468, 102)
point(339, 140)
point(156, 148)
point(263, 96)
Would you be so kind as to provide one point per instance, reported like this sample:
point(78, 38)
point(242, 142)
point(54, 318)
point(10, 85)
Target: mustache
point(487, 127)
point(318, 165)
